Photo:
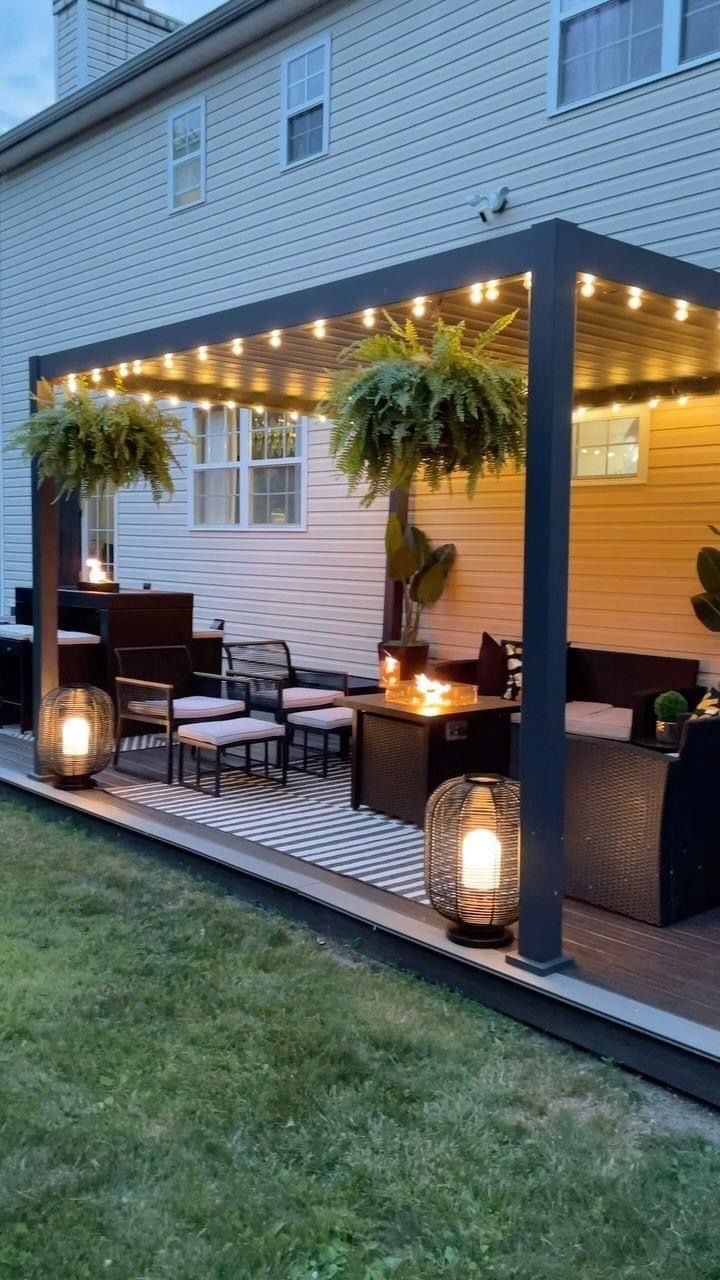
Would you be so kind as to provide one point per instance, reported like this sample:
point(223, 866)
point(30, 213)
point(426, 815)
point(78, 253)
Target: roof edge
point(199, 44)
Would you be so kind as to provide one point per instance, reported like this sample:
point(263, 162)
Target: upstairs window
point(305, 103)
point(598, 48)
point(186, 156)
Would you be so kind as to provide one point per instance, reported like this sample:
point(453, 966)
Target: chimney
point(93, 36)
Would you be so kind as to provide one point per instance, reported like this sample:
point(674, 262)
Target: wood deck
point(673, 971)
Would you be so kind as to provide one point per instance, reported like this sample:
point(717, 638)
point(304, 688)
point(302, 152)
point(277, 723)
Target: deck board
point(676, 969)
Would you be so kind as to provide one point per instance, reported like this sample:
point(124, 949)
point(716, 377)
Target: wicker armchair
point(276, 684)
point(157, 687)
point(641, 826)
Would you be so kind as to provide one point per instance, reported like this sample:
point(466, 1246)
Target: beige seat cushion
point(328, 719)
point(574, 713)
point(613, 722)
point(297, 696)
point(190, 708)
point(226, 732)
point(22, 631)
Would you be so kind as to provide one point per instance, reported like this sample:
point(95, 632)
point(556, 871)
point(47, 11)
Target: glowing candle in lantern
point(480, 860)
point(76, 736)
point(389, 670)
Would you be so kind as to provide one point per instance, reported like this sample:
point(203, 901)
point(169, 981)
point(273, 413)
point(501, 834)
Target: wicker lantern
point(472, 833)
point(75, 734)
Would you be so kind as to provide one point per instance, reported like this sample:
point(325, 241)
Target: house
point(403, 110)
point(214, 220)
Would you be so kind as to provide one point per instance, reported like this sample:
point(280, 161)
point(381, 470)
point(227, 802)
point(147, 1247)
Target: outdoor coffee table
point(401, 754)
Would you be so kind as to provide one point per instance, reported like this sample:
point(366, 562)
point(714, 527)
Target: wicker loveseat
point(641, 834)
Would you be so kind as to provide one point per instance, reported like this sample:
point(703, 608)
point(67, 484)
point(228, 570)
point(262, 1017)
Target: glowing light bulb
point(580, 411)
point(480, 861)
point(527, 280)
point(146, 397)
point(173, 400)
point(72, 383)
point(237, 347)
point(110, 393)
point(369, 317)
point(476, 294)
point(275, 338)
point(492, 291)
point(168, 360)
point(587, 288)
point(419, 307)
point(682, 401)
point(616, 407)
point(319, 329)
point(681, 309)
point(202, 353)
point(123, 370)
point(230, 404)
point(137, 366)
point(654, 402)
point(259, 408)
point(635, 299)
point(294, 416)
point(96, 375)
point(205, 404)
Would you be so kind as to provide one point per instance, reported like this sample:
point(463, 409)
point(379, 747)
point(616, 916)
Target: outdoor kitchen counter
point(401, 754)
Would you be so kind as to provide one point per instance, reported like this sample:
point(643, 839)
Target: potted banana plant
point(423, 572)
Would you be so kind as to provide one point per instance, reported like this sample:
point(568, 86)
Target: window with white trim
point(305, 112)
point(598, 48)
point(249, 469)
point(186, 156)
point(610, 447)
point(99, 533)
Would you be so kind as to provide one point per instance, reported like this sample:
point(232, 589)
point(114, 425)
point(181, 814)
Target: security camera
point(487, 204)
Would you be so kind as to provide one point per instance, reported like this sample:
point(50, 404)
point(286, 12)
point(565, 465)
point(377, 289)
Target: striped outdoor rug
point(140, 741)
point(310, 819)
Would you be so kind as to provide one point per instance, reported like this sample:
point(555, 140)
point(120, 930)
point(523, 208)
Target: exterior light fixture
point(168, 360)
point(237, 347)
point(681, 309)
point(137, 366)
point(96, 375)
point(75, 734)
point(369, 317)
point(419, 307)
point(527, 280)
point(319, 329)
point(476, 294)
point(587, 286)
point(492, 291)
point(472, 838)
point(202, 353)
point(635, 299)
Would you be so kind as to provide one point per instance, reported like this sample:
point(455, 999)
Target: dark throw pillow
point(514, 655)
point(492, 672)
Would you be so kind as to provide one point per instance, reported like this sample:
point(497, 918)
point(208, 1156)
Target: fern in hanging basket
point(84, 445)
point(406, 407)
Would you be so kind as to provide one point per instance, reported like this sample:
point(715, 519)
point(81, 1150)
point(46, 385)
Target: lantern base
point(469, 935)
point(82, 783)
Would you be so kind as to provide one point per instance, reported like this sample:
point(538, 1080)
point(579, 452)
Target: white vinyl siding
point(186, 156)
point(305, 114)
point(248, 469)
point(599, 47)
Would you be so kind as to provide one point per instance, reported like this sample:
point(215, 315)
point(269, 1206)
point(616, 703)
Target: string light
point(635, 300)
point(682, 401)
point(168, 360)
point(419, 307)
point(587, 288)
point(259, 408)
point(476, 294)
point(205, 404)
point(681, 309)
point(230, 404)
point(527, 280)
point(146, 397)
point(616, 407)
point(173, 400)
point(322, 418)
point(275, 338)
point(110, 393)
point(492, 291)
point(137, 366)
point(319, 329)
point(369, 317)
point(581, 411)
point(294, 416)
point(72, 383)
point(123, 370)
point(237, 346)
point(95, 375)
point(654, 402)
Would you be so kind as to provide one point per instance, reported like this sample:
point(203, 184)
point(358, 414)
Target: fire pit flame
point(425, 694)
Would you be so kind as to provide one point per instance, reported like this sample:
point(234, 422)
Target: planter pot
point(413, 658)
point(667, 732)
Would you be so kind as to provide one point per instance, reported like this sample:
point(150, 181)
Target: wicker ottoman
point(220, 735)
point(324, 721)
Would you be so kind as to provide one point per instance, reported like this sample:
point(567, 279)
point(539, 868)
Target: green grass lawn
point(193, 1089)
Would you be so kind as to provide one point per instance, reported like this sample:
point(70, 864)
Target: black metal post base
point(468, 935)
point(556, 965)
point(83, 783)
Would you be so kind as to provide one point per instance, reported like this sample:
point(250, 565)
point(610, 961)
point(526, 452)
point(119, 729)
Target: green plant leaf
point(429, 584)
point(708, 569)
point(707, 610)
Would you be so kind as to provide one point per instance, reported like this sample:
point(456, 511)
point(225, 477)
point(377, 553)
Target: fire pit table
point(402, 752)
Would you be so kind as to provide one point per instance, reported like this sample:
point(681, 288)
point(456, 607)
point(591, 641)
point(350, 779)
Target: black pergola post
point(545, 592)
point(46, 559)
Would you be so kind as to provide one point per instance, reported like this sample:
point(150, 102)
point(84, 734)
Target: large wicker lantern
point(75, 734)
point(472, 833)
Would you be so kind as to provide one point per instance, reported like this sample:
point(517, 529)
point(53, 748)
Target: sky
point(26, 52)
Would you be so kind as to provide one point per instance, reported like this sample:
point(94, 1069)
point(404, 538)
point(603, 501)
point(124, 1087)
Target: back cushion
point(492, 667)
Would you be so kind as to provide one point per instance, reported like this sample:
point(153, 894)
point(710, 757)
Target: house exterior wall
point(93, 36)
point(632, 550)
point(428, 103)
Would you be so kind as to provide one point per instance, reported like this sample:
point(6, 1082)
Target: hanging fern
point(405, 407)
point(83, 445)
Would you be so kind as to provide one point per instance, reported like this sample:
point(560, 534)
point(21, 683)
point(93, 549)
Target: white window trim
point(180, 110)
point(323, 42)
point(85, 536)
point(642, 413)
point(244, 467)
point(670, 61)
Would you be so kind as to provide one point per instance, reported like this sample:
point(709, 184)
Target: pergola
point(612, 353)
